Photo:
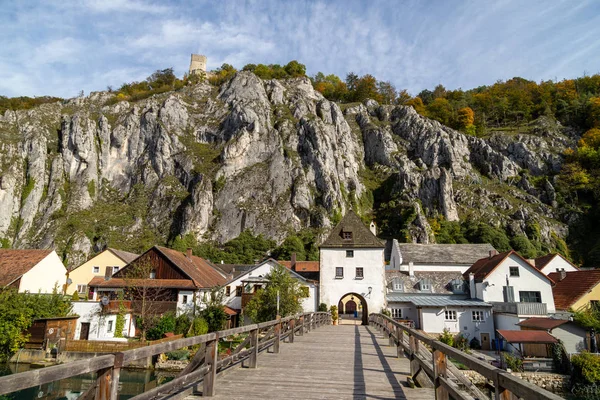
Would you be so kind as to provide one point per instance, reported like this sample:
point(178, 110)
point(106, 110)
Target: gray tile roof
point(124, 255)
point(440, 281)
point(362, 237)
point(436, 300)
point(465, 254)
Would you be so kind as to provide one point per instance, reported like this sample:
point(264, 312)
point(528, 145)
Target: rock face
point(269, 156)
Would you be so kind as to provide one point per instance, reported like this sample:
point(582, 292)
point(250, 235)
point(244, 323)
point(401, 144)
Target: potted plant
point(334, 314)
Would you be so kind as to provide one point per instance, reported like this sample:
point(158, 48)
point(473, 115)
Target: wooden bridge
point(300, 357)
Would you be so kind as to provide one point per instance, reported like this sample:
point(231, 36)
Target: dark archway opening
point(349, 304)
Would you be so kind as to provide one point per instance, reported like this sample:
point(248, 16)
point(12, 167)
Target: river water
point(131, 383)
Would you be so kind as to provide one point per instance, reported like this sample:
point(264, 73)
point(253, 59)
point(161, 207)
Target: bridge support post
point(116, 374)
point(254, 344)
point(309, 322)
point(414, 350)
point(301, 330)
point(400, 337)
point(103, 384)
point(212, 353)
point(391, 334)
point(502, 393)
point(313, 318)
point(439, 371)
point(292, 330)
point(277, 336)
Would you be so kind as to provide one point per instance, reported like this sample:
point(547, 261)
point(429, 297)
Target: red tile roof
point(576, 283)
point(230, 311)
point(542, 323)
point(15, 263)
point(99, 281)
point(485, 266)
point(198, 269)
point(527, 336)
point(303, 266)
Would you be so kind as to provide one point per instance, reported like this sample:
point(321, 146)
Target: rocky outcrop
point(269, 156)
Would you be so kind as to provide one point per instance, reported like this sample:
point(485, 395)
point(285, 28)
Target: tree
point(403, 97)
point(294, 69)
point(418, 105)
point(263, 305)
point(214, 313)
point(466, 118)
point(387, 92)
point(146, 293)
point(440, 110)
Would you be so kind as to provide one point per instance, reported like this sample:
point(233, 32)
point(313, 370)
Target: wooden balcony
point(520, 308)
point(246, 297)
point(113, 306)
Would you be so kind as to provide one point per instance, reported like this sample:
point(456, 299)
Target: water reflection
point(131, 383)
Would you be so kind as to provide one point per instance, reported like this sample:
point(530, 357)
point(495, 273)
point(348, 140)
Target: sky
point(61, 47)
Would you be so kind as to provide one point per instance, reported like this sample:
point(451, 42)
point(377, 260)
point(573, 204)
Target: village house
point(415, 257)
point(516, 289)
point(168, 280)
point(33, 271)
point(240, 289)
point(103, 264)
point(572, 336)
point(352, 270)
point(553, 263)
point(308, 269)
point(576, 290)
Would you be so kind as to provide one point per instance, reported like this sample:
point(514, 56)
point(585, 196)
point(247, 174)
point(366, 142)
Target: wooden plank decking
point(331, 362)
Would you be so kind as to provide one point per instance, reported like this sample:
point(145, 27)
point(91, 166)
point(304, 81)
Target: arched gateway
point(351, 303)
point(352, 274)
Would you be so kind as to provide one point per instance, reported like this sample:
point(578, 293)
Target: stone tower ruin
point(198, 64)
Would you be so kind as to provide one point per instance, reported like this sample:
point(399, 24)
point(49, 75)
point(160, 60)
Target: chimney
point(411, 271)
point(293, 262)
point(472, 287)
point(373, 228)
point(563, 274)
point(188, 252)
point(493, 253)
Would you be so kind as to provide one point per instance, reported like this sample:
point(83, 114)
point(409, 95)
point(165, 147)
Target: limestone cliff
point(271, 156)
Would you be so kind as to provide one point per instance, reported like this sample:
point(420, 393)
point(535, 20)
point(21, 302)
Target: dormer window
point(397, 285)
point(347, 235)
point(458, 286)
point(425, 285)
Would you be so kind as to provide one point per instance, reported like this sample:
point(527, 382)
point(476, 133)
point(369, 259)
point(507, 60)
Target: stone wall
point(555, 383)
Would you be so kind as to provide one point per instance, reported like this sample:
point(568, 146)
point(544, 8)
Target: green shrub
point(165, 324)
point(182, 324)
point(460, 342)
point(322, 307)
point(474, 344)
point(446, 337)
point(75, 296)
point(181, 354)
point(199, 327)
point(334, 312)
point(586, 368)
point(386, 312)
point(514, 363)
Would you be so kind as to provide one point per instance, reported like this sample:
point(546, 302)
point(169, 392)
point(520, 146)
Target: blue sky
point(62, 47)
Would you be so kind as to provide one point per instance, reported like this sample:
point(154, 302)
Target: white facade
point(558, 263)
point(309, 304)
point(460, 320)
point(372, 284)
point(102, 326)
point(529, 280)
point(47, 274)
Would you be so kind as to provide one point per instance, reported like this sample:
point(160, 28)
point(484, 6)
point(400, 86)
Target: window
point(347, 235)
point(257, 288)
point(238, 291)
point(595, 305)
point(305, 292)
point(530, 297)
point(397, 285)
point(359, 273)
point(153, 274)
point(478, 316)
point(81, 289)
point(349, 253)
point(397, 313)
point(458, 286)
point(227, 290)
point(450, 315)
point(339, 272)
point(425, 285)
point(115, 269)
point(96, 269)
point(514, 271)
point(184, 299)
point(110, 326)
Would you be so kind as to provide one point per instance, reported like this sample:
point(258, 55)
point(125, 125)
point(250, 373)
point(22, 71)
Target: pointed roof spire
point(351, 232)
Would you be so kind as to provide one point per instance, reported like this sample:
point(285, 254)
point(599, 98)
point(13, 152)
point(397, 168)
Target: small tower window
point(347, 235)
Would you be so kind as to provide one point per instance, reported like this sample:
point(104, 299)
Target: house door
point(350, 307)
point(485, 341)
point(85, 331)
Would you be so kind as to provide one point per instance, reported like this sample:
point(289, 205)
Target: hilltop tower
point(197, 64)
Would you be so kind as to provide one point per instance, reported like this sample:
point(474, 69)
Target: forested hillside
point(264, 160)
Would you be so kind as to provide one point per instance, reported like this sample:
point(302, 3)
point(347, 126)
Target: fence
point(431, 356)
point(203, 367)
point(98, 346)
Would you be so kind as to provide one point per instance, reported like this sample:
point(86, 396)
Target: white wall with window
point(468, 321)
point(101, 326)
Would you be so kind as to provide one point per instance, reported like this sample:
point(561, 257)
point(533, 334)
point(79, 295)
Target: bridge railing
point(202, 368)
point(431, 356)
